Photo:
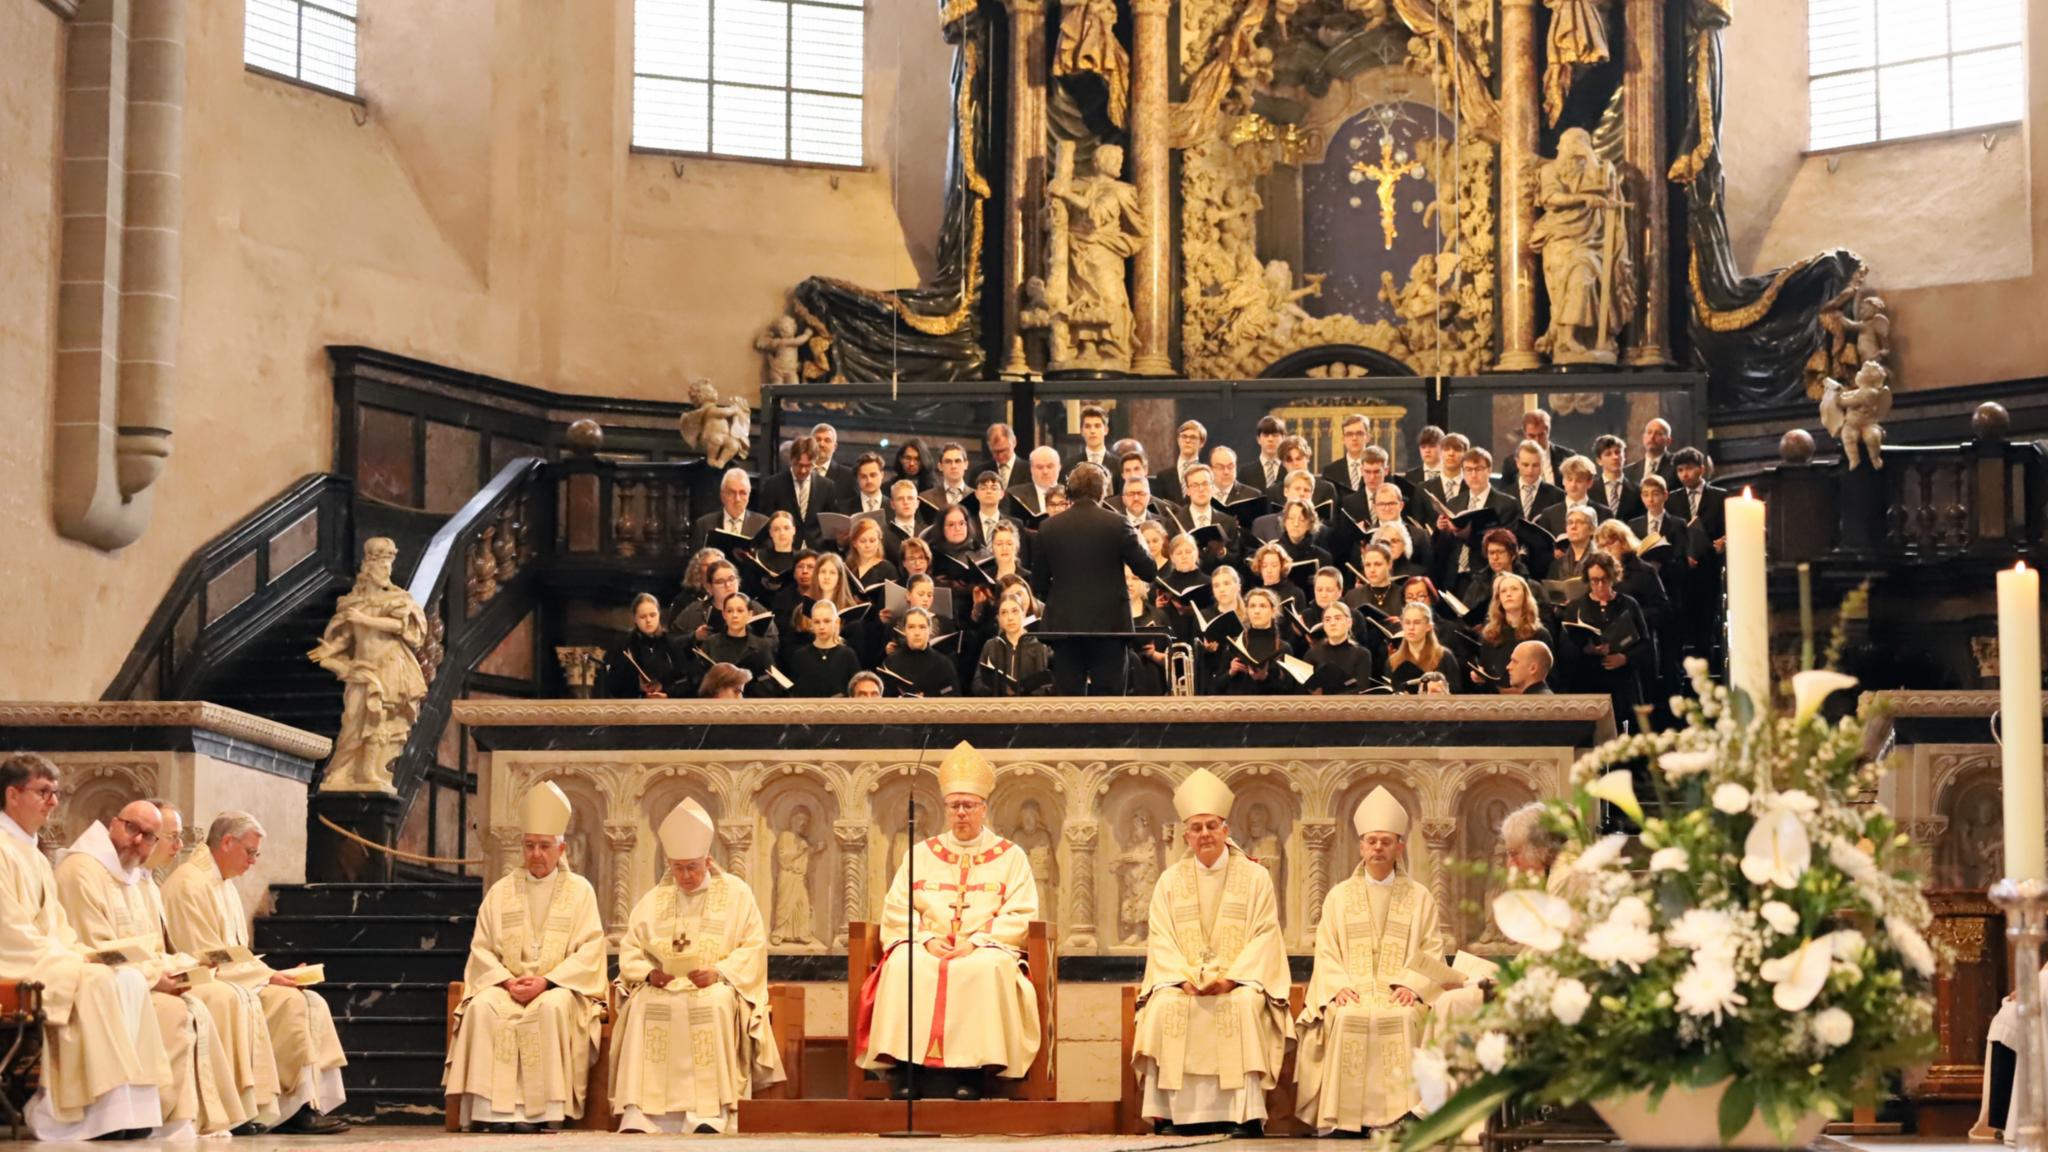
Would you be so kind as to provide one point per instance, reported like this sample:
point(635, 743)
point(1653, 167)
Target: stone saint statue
point(791, 923)
point(1040, 848)
point(1096, 227)
point(1855, 415)
point(1583, 236)
point(717, 428)
point(1137, 871)
point(899, 841)
point(372, 645)
point(1261, 844)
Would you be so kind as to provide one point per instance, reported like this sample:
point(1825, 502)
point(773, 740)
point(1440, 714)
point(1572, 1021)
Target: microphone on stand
point(909, 1067)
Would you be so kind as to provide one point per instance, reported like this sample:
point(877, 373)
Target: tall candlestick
point(1749, 609)
point(2019, 712)
point(1805, 616)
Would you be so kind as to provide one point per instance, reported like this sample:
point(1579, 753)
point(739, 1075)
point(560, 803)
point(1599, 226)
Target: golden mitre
point(686, 831)
point(547, 810)
point(965, 770)
point(1381, 812)
point(1203, 793)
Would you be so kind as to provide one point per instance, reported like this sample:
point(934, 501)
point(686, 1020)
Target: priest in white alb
point(950, 996)
point(1368, 996)
point(1213, 1022)
point(113, 904)
point(533, 990)
point(103, 1066)
point(693, 1037)
point(204, 914)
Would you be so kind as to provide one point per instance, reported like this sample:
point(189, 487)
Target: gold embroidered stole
point(681, 1070)
point(554, 933)
point(1212, 952)
point(1374, 1047)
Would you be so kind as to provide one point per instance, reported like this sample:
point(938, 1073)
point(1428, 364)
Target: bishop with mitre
point(1368, 996)
point(113, 904)
point(950, 995)
point(1213, 1022)
point(533, 990)
point(103, 1063)
point(204, 914)
point(693, 1038)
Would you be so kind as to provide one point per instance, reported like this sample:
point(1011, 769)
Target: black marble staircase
point(271, 677)
point(390, 952)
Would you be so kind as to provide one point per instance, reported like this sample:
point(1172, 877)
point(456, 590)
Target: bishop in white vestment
point(204, 914)
point(533, 990)
point(693, 1037)
point(1368, 997)
point(1213, 1023)
point(103, 1068)
point(951, 992)
point(112, 902)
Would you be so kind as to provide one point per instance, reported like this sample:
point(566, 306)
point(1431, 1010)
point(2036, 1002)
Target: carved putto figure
point(778, 347)
point(372, 645)
point(791, 923)
point(1137, 871)
point(1587, 272)
point(1855, 415)
point(715, 427)
point(1096, 226)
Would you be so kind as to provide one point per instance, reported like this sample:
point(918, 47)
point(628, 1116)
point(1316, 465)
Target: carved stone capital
point(1438, 832)
point(1082, 835)
point(1926, 831)
point(1318, 831)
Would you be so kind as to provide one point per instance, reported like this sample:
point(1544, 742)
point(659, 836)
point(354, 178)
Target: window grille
point(1894, 69)
point(313, 41)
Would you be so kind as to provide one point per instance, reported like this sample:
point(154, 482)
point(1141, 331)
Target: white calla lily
point(1811, 688)
point(1777, 851)
point(1799, 975)
point(1619, 789)
point(1533, 918)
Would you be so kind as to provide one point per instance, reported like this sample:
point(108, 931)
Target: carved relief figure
point(1137, 870)
point(1855, 415)
point(1980, 843)
point(372, 645)
point(899, 841)
point(778, 347)
point(718, 428)
point(1584, 240)
point(1261, 844)
point(1097, 226)
point(1041, 849)
point(791, 923)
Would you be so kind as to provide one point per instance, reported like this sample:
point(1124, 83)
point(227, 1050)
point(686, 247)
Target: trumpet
point(1180, 669)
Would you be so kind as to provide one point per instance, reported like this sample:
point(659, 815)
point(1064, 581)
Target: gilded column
point(1081, 839)
point(620, 838)
point(1023, 234)
point(1317, 833)
point(739, 842)
point(1440, 833)
point(1643, 143)
point(853, 874)
point(1151, 169)
point(1520, 123)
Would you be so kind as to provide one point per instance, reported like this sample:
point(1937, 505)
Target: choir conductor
point(1082, 553)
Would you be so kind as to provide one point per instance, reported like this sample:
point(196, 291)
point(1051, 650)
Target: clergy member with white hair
point(1369, 994)
point(969, 1007)
point(693, 1037)
point(103, 1067)
point(533, 990)
point(113, 904)
point(1213, 1023)
point(204, 913)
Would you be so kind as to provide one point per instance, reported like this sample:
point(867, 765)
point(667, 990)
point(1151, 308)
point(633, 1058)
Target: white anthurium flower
point(1833, 1027)
point(1911, 945)
point(1623, 938)
point(1619, 789)
point(1679, 765)
point(1432, 1078)
point(1492, 1051)
point(1731, 798)
point(1602, 855)
point(1709, 988)
point(1569, 1001)
point(1533, 918)
point(1670, 860)
point(1811, 689)
point(1777, 851)
point(1799, 975)
point(1780, 916)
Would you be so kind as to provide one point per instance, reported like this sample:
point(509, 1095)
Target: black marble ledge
point(1942, 717)
point(1129, 724)
point(826, 967)
point(223, 734)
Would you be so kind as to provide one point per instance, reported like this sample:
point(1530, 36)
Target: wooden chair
point(21, 1025)
point(864, 952)
point(1280, 1118)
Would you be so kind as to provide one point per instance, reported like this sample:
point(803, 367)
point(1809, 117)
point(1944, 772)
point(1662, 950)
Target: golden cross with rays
point(1387, 174)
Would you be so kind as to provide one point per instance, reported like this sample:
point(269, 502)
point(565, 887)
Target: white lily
point(1777, 850)
point(1800, 974)
point(1533, 918)
point(1619, 789)
point(1811, 689)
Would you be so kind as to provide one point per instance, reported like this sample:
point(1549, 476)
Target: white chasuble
point(977, 1011)
point(684, 1056)
point(1209, 1059)
point(103, 1067)
point(529, 1063)
point(108, 903)
point(203, 913)
point(1353, 1062)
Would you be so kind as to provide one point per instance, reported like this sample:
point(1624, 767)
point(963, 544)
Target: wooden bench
point(864, 952)
point(785, 1018)
point(1280, 1119)
point(21, 1028)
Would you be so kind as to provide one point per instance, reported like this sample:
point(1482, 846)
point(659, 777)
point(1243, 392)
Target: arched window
point(1892, 69)
point(767, 79)
point(311, 41)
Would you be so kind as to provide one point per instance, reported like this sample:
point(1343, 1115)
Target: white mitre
point(1380, 812)
point(547, 810)
point(686, 832)
point(1202, 793)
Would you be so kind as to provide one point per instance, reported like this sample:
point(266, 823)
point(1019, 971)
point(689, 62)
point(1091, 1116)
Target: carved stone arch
point(1135, 812)
point(1969, 797)
point(1950, 768)
point(1474, 773)
point(1265, 820)
point(1091, 781)
point(95, 792)
point(1039, 789)
point(786, 791)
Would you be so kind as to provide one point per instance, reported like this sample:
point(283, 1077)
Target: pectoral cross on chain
point(1387, 175)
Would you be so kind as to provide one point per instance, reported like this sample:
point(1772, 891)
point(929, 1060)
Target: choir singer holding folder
point(1081, 555)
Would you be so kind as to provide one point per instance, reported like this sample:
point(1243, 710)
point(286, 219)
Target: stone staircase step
point(374, 1033)
point(394, 1106)
point(376, 1070)
point(378, 900)
point(397, 965)
point(362, 999)
point(315, 933)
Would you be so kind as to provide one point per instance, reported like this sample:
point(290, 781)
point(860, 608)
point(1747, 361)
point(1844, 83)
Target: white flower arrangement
point(1773, 938)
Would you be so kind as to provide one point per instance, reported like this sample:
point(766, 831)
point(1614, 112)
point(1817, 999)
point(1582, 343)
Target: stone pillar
point(739, 843)
point(1081, 840)
point(1440, 833)
point(505, 839)
point(1023, 234)
point(1643, 143)
point(853, 874)
point(1151, 171)
point(1520, 122)
point(1317, 834)
point(1926, 833)
point(619, 839)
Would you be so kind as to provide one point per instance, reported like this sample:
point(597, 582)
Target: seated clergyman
point(533, 990)
point(1212, 1011)
point(203, 911)
point(1368, 997)
point(693, 1037)
point(953, 946)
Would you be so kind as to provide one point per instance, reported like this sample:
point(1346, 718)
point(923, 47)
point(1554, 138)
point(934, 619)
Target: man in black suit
point(1136, 505)
point(864, 492)
point(1095, 446)
point(1167, 511)
point(1529, 669)
point(1611, 484)
point(1202, 513)
point(1346, 473)
point(1532, 492)
point(1166, 483)
point(1657, 455)
point(1457, 549)
point(828, 464)
point(1577, 475)
point(1001, 441)
point(1081, 555)
point(1536, 427)
point(1449, 483)
point(1027, 500)
point(1266, 471)
point(1356, 506)
point(800, 491)
point(734, 489)
point(1295, 457)
point(908, 517)
point(1427, 442)
point(1704, 508)
point(1674, 571)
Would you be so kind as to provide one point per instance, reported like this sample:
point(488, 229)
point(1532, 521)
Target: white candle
point(1749, 609)
point(2019, 701)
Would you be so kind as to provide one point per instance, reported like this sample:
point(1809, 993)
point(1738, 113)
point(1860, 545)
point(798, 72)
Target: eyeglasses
point(964, 805)
point(47, 792)
point(141, 833)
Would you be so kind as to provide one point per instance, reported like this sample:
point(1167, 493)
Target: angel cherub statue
point(1855, 415)
point(716, 427)
point(778, 346)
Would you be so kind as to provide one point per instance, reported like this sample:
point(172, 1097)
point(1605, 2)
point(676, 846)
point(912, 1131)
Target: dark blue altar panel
point(1342, 233)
